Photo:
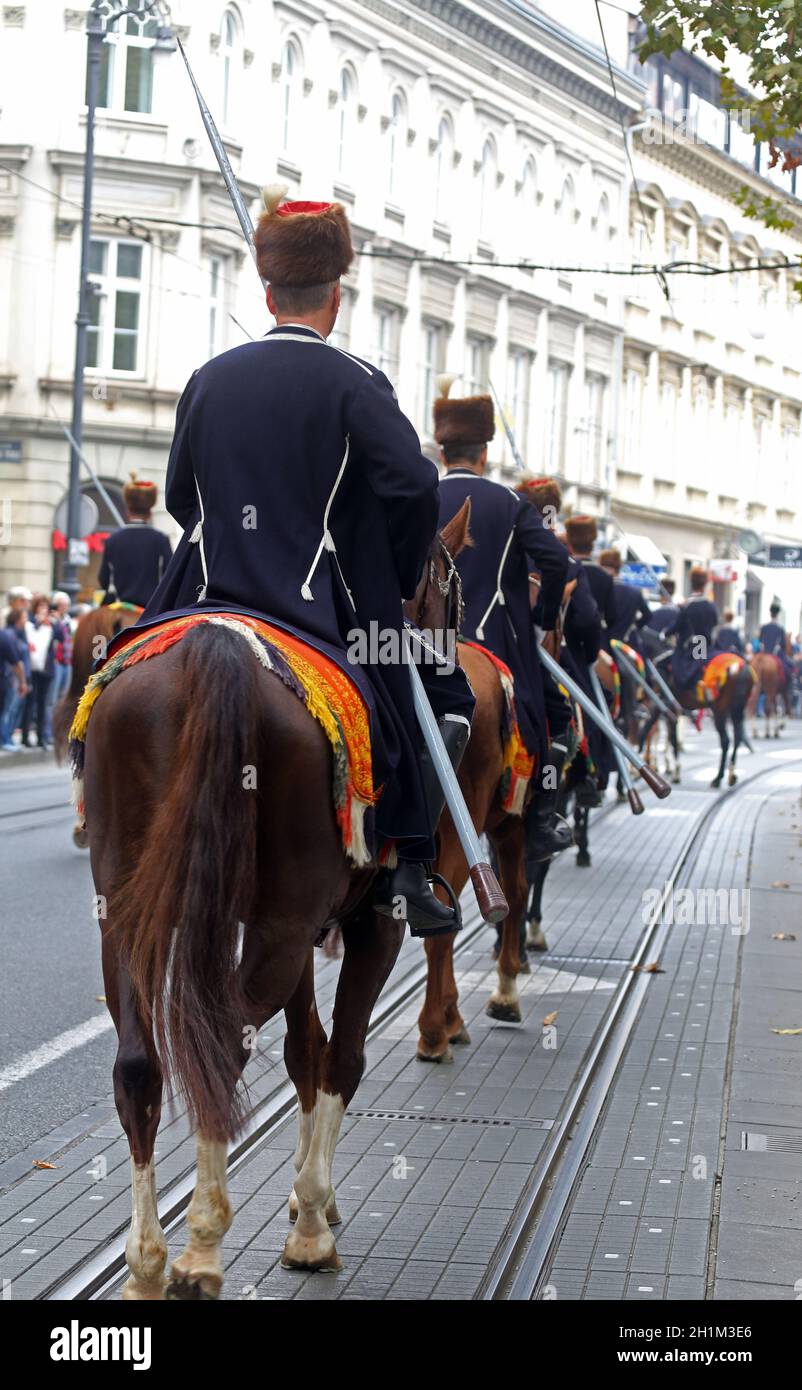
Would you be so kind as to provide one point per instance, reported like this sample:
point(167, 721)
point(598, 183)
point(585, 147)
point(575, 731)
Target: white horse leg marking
point(310, 1244)
point(208, 1218)
point(146, 1247)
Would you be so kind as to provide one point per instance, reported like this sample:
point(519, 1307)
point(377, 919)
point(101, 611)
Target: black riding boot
point(405, 892)
point(546, 833)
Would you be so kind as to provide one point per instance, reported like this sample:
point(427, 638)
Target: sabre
point(650, 777)
point(632, 670)
point(492, 903)
point(519, 463)
point(223, 162)
point(635, 803)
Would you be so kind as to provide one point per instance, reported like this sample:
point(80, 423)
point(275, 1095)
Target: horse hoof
point(732, 779)
point(524, 968)
point(446, 1055)
point(134, 1291)
point(462, 1038)
point(583, 859)
point(80, 837)
point(675, 779)
point(192, 1290)
point(311, 1252)
point(716, 783)
point(535, 940)
point(504, 1013)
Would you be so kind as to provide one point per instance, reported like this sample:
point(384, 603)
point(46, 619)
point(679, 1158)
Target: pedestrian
point(62, 655)
point(13, 677)
point(40, 633)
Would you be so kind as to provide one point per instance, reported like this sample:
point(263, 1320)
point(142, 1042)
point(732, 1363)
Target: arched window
point(567, 204)
point(126, 57)
point(291, 78)
point(396, 143)
point(347, 125)
point(602, 222)
point(229, 45)
point(444, 164)
point(487, 186)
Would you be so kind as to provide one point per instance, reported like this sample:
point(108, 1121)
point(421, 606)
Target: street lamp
point(97, 27)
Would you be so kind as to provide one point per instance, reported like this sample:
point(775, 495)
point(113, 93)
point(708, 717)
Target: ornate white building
point(466, 138)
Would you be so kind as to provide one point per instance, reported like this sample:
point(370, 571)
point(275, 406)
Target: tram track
point(523, 1252)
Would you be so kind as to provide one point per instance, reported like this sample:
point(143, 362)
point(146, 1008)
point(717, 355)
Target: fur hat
point(544, 492)
point(581, 532)
point(466, 421)
point(697, 576)
point(139, 496)
point(301, 244)
point(611, 559)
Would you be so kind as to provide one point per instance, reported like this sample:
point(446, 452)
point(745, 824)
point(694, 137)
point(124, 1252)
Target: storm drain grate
point(420, 1117)
point(773, 1143)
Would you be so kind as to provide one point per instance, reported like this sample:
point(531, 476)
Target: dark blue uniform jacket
point(772, 640)
point(729, 639)
point(662, 617)
point(304, 495)
point(510, 539)
point(134, 561)
point(693, 627)
point(631, 612)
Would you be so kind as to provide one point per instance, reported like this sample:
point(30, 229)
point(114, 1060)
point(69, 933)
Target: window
point(669, 402)
point(633, 421)
point(341, 336)
point(559, 375)
point(347, 122)
point(126, 59)
point(707, 122)
point(291, 77)
point(444, 163)
point(434, 362)
point(113, 334)
point(593, 433)
point(740, 143)
point(396, 144)
point(477, 372)
point(518, 382)
point(487, 188)
point(215, 321)
point(229, 44)
point(388, 334)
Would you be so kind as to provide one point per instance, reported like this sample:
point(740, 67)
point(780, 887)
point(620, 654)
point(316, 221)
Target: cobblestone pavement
point(433, 1159)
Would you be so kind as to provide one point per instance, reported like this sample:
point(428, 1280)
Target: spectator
point(15, 685)
point(40, 631)
point(62, 656)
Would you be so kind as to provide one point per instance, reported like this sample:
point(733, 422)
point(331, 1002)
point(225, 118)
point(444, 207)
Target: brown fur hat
point(466, 421)
point(544, 492)
point(611, 559)
point(698, 577)
point(581, 532)
point(139, 496)
point(301, 243)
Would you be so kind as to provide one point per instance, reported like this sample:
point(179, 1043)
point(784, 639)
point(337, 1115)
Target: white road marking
point(57, 1047)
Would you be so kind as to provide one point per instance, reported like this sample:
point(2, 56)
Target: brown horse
point(213, 888)
point(770, 682)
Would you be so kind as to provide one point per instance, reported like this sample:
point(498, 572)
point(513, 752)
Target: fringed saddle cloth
point(331, 698)
point(518, 764)
point(715, 674)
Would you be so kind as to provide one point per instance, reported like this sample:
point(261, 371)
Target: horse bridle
point(450, 588)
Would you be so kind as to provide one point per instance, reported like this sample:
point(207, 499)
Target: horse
point(90, 642)
point(211, 898)
point(771, 683)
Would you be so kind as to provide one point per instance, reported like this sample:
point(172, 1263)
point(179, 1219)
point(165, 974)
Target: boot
point(547, 833)
point(405, 891)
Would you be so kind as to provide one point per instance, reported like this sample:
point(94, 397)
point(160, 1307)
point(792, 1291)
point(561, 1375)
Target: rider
point(509, 540)
point(664, 616)
point(581, 532)
point(631, 608)
point(774, 640)
point(693, 627)
point(304, 496)
point(728, 638)
point(135, 556)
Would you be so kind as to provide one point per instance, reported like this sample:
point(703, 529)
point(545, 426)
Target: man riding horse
point(693, 628)
point(304, 495)
point(509, 539)
point(136, 556)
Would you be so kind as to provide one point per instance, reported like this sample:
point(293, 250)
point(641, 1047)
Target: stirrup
point(446, 929)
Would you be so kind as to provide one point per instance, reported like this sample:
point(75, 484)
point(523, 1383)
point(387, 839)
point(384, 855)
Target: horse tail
point(179, 914)
point(94, 631)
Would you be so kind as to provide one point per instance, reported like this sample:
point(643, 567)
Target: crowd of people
point(35, 666)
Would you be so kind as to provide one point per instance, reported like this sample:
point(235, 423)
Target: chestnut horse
point(214, 888)
point(770, 682)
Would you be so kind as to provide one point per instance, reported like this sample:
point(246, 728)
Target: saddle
point(717, 671)
point(330, 694)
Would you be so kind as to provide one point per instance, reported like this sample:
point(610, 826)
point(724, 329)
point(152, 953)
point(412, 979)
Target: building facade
point(473, 143)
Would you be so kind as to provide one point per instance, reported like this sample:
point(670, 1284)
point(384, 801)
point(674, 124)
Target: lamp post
point(98, 26)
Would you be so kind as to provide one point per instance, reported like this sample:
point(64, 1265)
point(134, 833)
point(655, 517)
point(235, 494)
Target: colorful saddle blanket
point(333, 699)
point(715, 673)
point(518, 764)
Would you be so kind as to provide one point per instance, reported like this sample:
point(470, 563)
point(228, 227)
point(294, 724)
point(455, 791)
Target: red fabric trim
point(291, 209)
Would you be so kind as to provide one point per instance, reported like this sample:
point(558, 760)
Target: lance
point(519, 463)
point(626, 665)
point(652, 778)
point(656, 676)
point(635, 803)
point(492, 903)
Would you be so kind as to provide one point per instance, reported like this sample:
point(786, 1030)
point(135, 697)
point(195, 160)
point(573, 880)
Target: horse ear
point(456, 533)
